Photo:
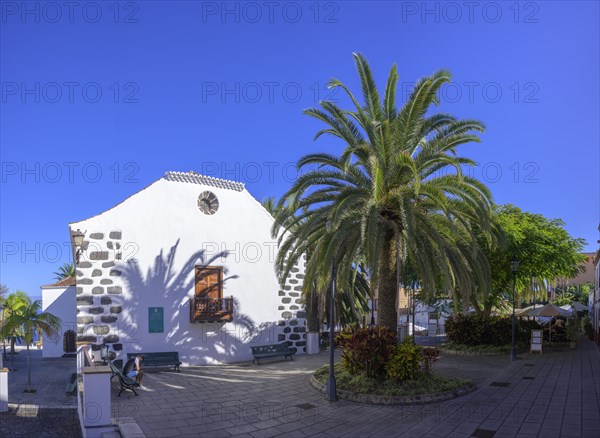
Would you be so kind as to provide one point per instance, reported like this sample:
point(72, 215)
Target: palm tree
point(27, 318)
point(397, 194)
point(13, 301)
point(65, 271)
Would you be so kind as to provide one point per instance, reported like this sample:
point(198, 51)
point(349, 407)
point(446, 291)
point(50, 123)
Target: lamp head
point(514, 265)
point(78, 238)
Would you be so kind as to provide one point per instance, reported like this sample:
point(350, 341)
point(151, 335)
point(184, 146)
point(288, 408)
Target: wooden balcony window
point(211, 309)
point(208, 304)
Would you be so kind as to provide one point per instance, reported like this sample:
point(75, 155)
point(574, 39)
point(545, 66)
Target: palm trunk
point(12, 353)
point(312, 323)
point(312, 312)
point(28, 370)
point(387, 288)
point(487, 305)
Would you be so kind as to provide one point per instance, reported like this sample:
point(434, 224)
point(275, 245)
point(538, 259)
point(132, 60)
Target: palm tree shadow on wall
point(196, 342)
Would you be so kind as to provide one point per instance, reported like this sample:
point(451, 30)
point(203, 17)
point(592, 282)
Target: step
point(130, 430)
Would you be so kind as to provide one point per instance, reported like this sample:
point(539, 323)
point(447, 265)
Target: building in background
point(587, 276)
point(59, 299)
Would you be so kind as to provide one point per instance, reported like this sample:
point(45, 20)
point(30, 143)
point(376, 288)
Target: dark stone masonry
point(96, 311)
point(292, 314)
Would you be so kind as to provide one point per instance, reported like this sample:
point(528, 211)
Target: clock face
point(208, 203)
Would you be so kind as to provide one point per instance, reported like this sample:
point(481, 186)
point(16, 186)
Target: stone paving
point(49, 377)
point(554, 394)
point(48, 412)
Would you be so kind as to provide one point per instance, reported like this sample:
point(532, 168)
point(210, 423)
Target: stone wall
point(292, 311)
point(99, 291)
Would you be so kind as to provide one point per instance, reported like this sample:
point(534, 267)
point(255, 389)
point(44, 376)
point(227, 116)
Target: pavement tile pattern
point(554, 394)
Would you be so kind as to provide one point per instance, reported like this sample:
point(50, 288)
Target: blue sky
point(99, 99)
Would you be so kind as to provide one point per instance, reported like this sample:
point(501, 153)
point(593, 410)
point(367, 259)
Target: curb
point(478, 353)
point(473, 353)
point(396, 399)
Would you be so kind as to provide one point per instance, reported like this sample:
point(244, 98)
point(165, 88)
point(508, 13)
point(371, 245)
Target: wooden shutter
point(209, 281)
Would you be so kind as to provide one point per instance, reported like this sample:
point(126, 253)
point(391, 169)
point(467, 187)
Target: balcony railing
point(211, 309)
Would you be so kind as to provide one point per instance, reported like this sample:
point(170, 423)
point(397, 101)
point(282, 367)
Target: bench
point(125, 383)
point(273, 350)
point(162, 359)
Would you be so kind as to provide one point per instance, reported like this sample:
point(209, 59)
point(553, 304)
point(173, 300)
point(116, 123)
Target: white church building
point(186, 265)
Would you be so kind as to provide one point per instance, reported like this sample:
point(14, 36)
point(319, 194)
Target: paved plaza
point(554, 394)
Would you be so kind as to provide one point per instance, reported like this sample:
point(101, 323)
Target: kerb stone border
point(396, 399)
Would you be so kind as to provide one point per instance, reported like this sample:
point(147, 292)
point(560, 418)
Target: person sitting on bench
point(133, 369)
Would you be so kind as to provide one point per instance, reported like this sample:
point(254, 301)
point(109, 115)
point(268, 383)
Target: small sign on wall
point(155, 319)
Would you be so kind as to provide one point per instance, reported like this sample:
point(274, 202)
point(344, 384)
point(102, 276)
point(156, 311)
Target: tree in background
point(544, 248)
point(25, 318)
point(569, 293)
point(3, 292)
point(65, 271)
point(14, 301)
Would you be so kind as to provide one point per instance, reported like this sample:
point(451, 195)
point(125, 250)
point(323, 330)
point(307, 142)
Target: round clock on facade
point(208, 203)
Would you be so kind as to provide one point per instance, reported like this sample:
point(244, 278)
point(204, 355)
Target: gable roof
point(196, 178)
point(183, 177)
point(65, 282)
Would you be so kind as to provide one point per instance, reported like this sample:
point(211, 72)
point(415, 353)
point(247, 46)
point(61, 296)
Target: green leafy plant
point(564, 299)
point(26, 317)
point(587, 327)
point(573, 330)
point(65, 271)
point(361, 384)
point(405, 361)
point(477, 329)
point(366, 350)
point(479, 349)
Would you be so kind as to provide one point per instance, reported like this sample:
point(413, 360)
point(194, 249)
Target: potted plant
point(573, 331)
point(587, 327)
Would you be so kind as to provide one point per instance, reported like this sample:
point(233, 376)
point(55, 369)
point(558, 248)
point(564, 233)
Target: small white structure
point(59, 299)
point(186, 265)
point(429, 320)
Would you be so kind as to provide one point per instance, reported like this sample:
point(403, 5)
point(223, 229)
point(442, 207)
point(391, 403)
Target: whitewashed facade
point(143, 261)
point(59, 300)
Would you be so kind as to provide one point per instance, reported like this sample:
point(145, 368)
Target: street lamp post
point(534, 292)
point(372, 312)
point(331, 385)
point(514, 268)
point(3, 371)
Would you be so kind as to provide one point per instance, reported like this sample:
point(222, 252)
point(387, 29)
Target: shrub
point(573, 331)
point(524, 328)
point(587, 327)
point(477, 329)
point(405, 361)
point(366, 350)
